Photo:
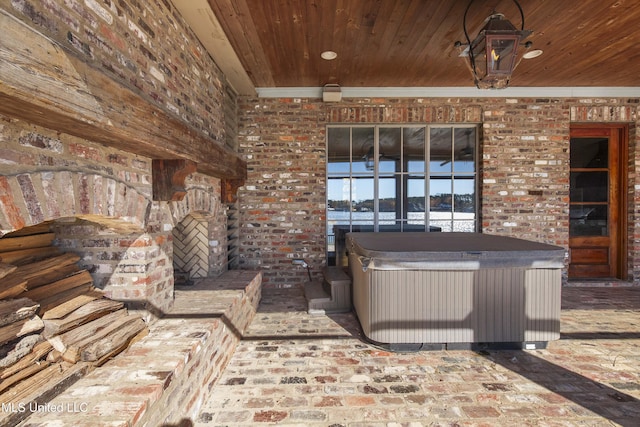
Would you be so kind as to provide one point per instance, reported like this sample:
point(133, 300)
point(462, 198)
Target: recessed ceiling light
point(532, 54)
point(328, 55)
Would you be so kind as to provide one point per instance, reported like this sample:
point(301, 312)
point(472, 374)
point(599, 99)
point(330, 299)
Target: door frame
point(622, 130)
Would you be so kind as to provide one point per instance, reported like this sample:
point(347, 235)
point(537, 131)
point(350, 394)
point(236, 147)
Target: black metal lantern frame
point(493, 54)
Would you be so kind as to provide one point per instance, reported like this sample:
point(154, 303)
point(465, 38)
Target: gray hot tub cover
point(465, 251)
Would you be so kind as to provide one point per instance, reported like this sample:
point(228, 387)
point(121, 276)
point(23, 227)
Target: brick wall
point(100, 199)
point(524, 169)
point(145, 47)
point(282, 205)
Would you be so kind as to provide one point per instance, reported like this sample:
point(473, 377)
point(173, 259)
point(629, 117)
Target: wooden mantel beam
point(42, 83)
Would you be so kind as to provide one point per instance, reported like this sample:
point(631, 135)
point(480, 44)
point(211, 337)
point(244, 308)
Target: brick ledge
point(166, 376)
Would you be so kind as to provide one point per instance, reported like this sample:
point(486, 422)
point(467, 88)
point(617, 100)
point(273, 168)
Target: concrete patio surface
point(292, 368)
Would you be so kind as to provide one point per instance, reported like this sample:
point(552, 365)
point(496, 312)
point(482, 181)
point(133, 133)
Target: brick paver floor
point(293, 368)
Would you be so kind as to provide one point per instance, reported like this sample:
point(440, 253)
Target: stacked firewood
point(54, 325)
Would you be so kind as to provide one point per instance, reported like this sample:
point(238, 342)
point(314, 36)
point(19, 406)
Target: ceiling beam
point(42, 83)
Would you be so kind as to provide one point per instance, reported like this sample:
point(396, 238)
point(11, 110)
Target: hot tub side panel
point(463, 306)
point(543, 299)
point(413, 306)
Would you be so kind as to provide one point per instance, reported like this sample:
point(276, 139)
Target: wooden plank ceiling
point(410, 43)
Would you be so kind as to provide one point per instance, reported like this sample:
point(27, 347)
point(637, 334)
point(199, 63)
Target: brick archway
point(31, 198)
point(197, 200)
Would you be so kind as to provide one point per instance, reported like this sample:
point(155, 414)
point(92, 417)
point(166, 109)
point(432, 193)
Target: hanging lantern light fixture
point(493, 55)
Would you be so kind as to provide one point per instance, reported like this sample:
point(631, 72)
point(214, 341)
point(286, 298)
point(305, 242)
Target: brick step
point(332, 295)
point(169, 373)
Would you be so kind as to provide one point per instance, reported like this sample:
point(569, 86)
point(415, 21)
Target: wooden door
point(597, 202)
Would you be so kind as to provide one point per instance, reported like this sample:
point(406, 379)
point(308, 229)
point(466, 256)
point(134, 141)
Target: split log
point(65, 308)
point(55, 273)
point(85, 314)
point(6, 269)
point(17, 309)
point(26, 256)
point(47, 270)
point(63, 341)
point(39, 389)
point(54, 356)
point(110, 356)
point(108, 341)
point(11, 353)
point(39, 352)
point(40, 228)
point(73, 281)
point(26, 242)
point(12, 289)
point(19, 329)
point(41, 272)
point(63, 297)
point(23, 374)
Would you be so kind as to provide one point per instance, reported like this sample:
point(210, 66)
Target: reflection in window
point(588, 220)
point(400, 178)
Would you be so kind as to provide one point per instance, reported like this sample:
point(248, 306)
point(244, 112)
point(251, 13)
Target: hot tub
point(453, 290)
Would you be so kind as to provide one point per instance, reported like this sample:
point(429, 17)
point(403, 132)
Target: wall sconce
point(493, 54)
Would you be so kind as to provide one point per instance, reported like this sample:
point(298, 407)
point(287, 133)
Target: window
point(399, 178)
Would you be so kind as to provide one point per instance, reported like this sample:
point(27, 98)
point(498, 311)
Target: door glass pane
point(588, 220)
point(413, 149)
point(464, 150)
point(464, 204)
point(362, 199)
point(441, 221)
point(339, 194)
point(464, 226)
point(390, 150)
point(363, 150)
point(589, 153)
point(589, 186)
point(440, 194)
point(415, 208)
point(464, 195)
point(387, 199)
point(338, 211)
point(338, 146)
point(415, 194)
point(440, 201)
point(440, 150)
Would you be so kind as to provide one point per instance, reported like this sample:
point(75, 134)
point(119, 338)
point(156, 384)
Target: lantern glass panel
point(501, 54)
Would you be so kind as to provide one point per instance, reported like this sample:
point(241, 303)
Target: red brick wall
point(524, 169)
point(282, 205)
